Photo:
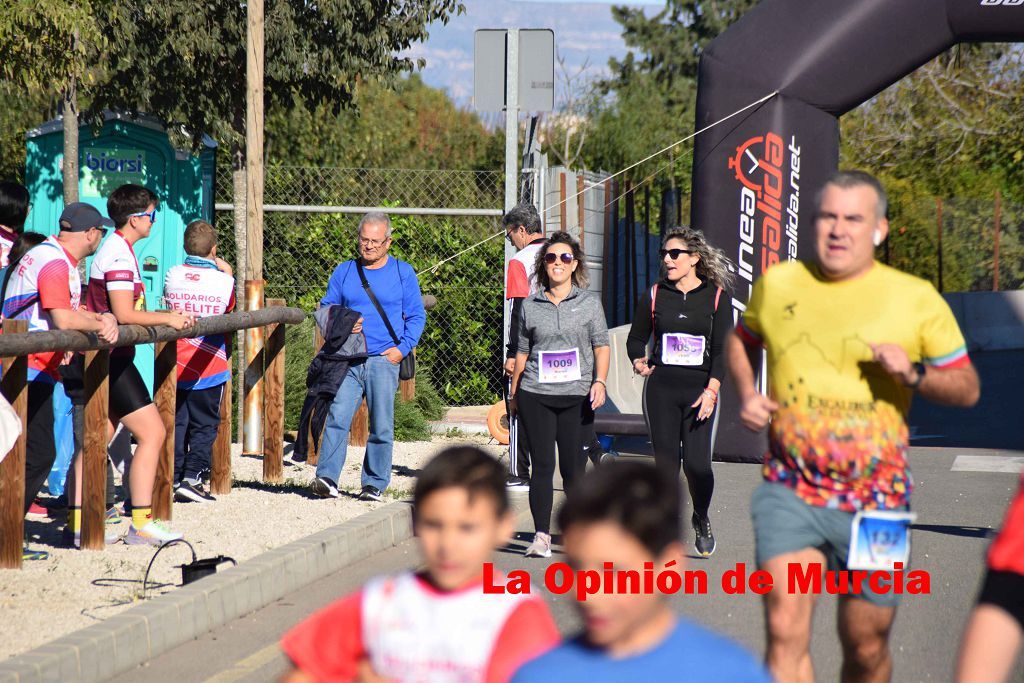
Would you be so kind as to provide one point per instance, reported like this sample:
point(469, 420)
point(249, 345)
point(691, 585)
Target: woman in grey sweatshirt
point(560, 371)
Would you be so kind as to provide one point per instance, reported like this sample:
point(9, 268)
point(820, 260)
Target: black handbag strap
point(373, 298)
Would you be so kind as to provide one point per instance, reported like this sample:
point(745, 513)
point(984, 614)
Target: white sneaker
point(154, 533)
point(74, 539)
point(541, 546)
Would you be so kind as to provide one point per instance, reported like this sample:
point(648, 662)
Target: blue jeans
point(377, 380)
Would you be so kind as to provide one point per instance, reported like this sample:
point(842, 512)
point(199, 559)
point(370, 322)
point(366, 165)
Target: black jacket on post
point(327, 372)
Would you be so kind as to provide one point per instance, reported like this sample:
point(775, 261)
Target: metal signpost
point(523, 61)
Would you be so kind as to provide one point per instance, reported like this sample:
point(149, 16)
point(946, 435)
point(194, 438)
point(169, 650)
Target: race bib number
point(682, 349)
point(879, 539)
point(559, 366)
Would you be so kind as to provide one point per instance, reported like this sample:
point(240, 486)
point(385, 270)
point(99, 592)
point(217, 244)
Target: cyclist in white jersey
point(115, 286)
point(45, 290)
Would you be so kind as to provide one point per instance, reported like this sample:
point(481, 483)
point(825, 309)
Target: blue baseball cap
point(79, 217)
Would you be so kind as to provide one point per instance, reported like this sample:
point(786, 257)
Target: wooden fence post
point(165, 384)
point(252, 423)
point(94, 448)
point(12, 469)
point(313, 450)
point(407, 387)
point(220, 474)
point(273, 400)
point(359, 433)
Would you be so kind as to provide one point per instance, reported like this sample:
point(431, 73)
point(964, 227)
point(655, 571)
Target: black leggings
point(40, 446)
point(549, 420)
point(676, 433)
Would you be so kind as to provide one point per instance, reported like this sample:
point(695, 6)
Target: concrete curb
point(464, 427)
point(99, 652)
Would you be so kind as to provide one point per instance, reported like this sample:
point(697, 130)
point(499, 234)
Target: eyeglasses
point(151, 215)
point(566, 257)
point(674, 253)
point(103, 231)
point(372, 243)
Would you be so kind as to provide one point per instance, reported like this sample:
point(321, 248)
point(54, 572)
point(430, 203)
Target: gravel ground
point(73, 589)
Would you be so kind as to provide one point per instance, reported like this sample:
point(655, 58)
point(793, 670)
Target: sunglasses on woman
point(551, 258)
point(674, 253)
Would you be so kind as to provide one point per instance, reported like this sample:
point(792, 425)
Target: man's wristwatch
point(920, 369)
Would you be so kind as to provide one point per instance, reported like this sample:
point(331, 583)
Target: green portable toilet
point(126, 150)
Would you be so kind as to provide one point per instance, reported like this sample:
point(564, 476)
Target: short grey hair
point(526, 215)
point(852, 178)
point(376, 218)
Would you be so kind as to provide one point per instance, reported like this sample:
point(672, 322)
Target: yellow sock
point(74, 519)
point(141, 516)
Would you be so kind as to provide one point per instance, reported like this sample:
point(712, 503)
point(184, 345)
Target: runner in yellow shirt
point(848, 340)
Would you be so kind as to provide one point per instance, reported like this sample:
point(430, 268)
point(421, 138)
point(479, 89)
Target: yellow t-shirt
point(840, 436)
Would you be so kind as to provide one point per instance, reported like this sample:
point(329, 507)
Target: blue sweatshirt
point(398, 291)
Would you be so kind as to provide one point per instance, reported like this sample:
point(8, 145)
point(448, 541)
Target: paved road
point(956, 512)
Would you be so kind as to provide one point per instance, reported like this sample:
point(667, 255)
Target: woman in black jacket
point(686, 316)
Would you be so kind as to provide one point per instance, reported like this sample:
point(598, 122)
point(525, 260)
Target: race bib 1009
point(559, 366)
point(682, 349)
point(879, 539)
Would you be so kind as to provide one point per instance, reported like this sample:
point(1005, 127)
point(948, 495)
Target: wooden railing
point(16, 344)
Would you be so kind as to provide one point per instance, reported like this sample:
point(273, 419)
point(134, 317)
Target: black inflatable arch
point(755, 176)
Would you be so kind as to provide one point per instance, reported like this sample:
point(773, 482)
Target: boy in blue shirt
point(629, 514)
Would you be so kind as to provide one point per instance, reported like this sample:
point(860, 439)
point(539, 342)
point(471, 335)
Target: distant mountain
point(582, 30)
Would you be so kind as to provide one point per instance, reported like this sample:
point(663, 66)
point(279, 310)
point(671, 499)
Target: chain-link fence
point(960, 245)
point(460, 350)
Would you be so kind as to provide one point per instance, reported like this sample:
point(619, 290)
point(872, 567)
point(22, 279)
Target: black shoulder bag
point(407, 368)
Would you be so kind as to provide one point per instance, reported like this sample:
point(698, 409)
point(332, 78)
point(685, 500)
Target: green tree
point(950, 130)
point(401, 124)
point(186, 62)
point(953, 125)
point(56, 46)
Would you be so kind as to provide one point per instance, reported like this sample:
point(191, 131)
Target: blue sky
point(602, 2)
point(584, 34)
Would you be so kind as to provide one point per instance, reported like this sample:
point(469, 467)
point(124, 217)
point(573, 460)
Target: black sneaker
point(514, 483)
point(371, 493)
point(324, 487)
point(187, 492)
point(705, 543)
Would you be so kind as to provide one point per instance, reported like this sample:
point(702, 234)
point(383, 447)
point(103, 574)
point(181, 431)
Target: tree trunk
point(69, 167)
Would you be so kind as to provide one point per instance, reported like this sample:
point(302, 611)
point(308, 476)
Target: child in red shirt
point(436, 625)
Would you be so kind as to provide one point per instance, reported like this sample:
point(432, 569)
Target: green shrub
point(427, 400)
point(410, 423)
point(462, 339)
point(411, 418)
point(298, 354)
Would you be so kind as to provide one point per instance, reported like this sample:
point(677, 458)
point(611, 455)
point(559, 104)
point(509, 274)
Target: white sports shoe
point(541, 546)
point(154, 533)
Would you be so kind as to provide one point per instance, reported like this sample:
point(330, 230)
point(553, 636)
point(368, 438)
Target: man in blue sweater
point(397, 289)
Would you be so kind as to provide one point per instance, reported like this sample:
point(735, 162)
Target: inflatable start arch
point(755, 176)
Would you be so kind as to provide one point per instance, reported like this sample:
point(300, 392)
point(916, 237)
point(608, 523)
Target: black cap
point(79, 217)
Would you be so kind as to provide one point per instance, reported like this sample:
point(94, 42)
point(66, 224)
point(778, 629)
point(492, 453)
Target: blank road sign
point(536, 80)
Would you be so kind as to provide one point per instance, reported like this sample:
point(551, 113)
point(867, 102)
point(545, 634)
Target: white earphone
point(877, 238)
